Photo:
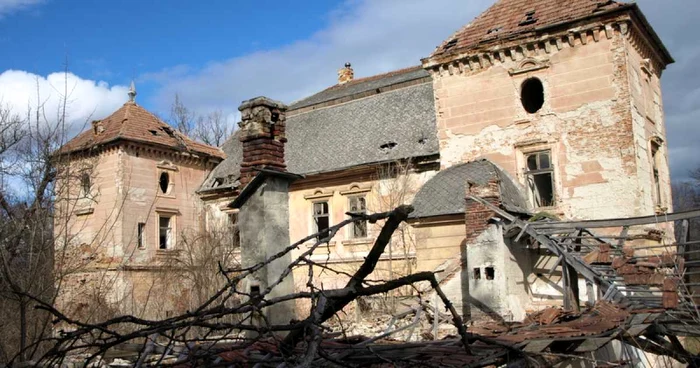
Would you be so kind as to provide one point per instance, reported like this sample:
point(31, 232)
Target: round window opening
point(164, 182)
point(532, 95)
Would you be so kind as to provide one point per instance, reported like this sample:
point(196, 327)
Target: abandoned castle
point(538, 109)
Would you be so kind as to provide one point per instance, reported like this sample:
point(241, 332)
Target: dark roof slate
point(391, 125)
point(361, 85)
point(445, 193)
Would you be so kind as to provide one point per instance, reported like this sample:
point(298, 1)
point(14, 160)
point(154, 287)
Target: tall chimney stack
point(263, 136)
point(345, 74)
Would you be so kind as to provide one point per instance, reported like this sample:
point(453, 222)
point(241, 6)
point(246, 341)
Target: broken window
point(529, 18)
point(165, 232)
point(477, 273)
point(140, 228)
point(321, 219)
point(85, 184)
point(532, 95)
point(358, 204)
point(490, 273)
point(655, 171)
point(539, 174)
point(164, 182)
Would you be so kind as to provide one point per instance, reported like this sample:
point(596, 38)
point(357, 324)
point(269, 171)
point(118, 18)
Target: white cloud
point(86, 99)
point(374, 35)
point(12, 6)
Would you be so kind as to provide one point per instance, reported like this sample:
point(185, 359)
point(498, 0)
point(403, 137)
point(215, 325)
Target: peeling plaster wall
point(101, 228)
point(585, 121)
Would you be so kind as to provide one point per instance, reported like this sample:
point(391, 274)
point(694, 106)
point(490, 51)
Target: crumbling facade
point(532, 111)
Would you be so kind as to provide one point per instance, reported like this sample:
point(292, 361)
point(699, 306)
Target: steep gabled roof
point(508, 18)
point(132, 122)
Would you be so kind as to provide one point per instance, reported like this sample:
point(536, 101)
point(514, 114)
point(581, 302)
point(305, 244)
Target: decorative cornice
point(526, 49)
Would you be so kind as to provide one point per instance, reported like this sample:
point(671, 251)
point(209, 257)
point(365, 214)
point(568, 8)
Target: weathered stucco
point(600, 159)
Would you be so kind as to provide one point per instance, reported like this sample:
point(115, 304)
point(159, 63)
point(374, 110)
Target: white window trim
point(523, 150)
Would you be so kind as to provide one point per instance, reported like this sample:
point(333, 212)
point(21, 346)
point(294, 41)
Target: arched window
point(85, 183)
point(532, 95)
point(164, 182)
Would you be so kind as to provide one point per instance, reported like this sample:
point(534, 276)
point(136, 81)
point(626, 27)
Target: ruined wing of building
point(540, 109)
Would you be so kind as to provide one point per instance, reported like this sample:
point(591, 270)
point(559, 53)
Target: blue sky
point(217, 53)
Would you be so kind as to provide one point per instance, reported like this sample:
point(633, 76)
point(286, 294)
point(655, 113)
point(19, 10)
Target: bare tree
point(212, 129)
point(181, 117)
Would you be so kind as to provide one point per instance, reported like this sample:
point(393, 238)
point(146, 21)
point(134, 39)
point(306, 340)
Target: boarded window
point(140, 229)
point(358, 204)
point(321, 219)
point(165, 232)
point(539, 174)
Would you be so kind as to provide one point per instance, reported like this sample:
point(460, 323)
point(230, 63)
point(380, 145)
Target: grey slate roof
point(386, 126)
point(445, 193)
point(362, 85)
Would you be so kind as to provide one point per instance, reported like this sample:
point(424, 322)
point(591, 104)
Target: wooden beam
point(616, 222)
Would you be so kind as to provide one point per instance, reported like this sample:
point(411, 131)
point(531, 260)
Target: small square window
point(477, 273)
point(490, 273)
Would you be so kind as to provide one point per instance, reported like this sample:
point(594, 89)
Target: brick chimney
point(263, 136)
point(345, 74)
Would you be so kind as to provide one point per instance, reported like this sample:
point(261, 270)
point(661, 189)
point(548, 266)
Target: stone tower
point(125, 208)
point(567, 99)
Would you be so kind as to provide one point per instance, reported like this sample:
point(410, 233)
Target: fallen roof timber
point(631, 221)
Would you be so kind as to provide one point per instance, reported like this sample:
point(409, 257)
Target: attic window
point(217, 182)
point(388, 146)
point(452, 43)
point(153, 132)
point(529, 18)
point(532, 95)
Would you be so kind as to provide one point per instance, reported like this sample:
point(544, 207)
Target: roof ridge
point(376, 76)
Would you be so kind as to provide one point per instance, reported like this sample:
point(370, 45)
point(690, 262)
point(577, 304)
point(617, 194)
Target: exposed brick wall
point(263, 126)
point(477, 215)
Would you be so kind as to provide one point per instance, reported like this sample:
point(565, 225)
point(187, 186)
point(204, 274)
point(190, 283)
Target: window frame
point(314, 217)
point(141, 235)
point(655, 150)
point(530, 174)
point(85, 184)
point(352, 234)
point(170, 240)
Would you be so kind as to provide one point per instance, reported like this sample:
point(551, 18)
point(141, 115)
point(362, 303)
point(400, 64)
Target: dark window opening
point(477, 273)
point(321, 219)
point(235, 233)
point(165, 232)
point(490, 273)
point(532, 95)
point(164, 182)
point(140, 228)
point(85, 183)
point(529, 18)
point(358, 204)
point(386, 147)
point(452, 43)
point(153, 132)
point(539, 175)
point(655, 170)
